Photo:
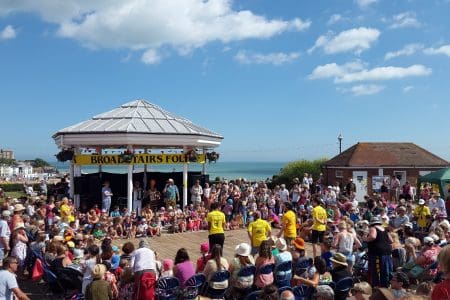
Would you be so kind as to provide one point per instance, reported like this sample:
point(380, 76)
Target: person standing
point(196, 193)
point(138, 194)
point(9, 289)
point(319, 226)
point(106, 196)
point(143, 263)
point(258, 231)
point(422, 215)
point(394, 186)
point(5, 234)
point(216, 225)
point(288, 224)
point(171, 194)
point(379, 244)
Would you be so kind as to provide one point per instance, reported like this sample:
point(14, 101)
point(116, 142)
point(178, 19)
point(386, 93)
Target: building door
point(360, 180)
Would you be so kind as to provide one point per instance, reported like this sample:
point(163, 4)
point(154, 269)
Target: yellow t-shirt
point(216, 219)
point(65, 213)
point(259, 230)
point(290, 222)
point(319, 213)
point(421, 213)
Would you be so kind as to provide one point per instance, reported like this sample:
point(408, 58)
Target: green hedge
point(16, 187)
point(296, 169)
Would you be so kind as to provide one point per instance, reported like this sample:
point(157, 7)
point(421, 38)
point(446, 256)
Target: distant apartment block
point(6, 154)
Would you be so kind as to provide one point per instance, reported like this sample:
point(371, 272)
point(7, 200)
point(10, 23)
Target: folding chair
point(192, 287)
point(167, 288)
point(283, 279)
point(218, 277)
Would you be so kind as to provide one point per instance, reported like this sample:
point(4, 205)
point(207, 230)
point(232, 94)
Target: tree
point(296, 169)
point(7, 161)
point(39, 163)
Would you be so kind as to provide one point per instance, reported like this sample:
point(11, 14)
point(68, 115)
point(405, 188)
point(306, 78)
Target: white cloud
point(151, 57)
point(405, 19)
point(356, 72)
point(445, 50)
point(408, 89)
point(365, 3)
point(334, 19)
point(151, 24)
point(8, 33)
point(277, 59)
point(363, 89)
point(356, 39)
point(408, 50)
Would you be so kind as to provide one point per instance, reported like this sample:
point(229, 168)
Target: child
point(99, 285)
point(115, 259)
point(201, 261)
point(126, 284)
point(155, 226)
point(167, 268)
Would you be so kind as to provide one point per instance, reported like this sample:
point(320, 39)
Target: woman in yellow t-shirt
point(66, 212)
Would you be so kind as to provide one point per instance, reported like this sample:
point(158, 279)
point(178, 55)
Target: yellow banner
point(137, 159)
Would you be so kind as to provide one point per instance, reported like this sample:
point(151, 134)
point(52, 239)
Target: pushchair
point(70, 280)
point(361, 266)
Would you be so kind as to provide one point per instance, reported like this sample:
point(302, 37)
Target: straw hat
point(243, 249)
point(99, 271)
point(58, 238)
point(299, 243)
point(19, 207)
point(281, 244)
point(340, 259)
point(375, 221)
point(19, 225)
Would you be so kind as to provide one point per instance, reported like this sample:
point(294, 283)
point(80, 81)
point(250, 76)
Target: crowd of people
point(391, 246)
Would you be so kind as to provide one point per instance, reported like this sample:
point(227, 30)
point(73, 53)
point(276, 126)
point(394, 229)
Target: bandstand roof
point(137, 123)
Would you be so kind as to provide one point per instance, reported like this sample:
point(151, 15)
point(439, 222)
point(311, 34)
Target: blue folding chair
point(284, 288)
point(301, 268)
point(167, 288)
point(218, 277)
point(267, 269)
point(192, 286)
point(301, 292)
point(343, 286)
point(283, 274)
point(254, 295)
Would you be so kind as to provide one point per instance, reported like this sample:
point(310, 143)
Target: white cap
point(428, 240)
point(421, 202)
point(6, 213)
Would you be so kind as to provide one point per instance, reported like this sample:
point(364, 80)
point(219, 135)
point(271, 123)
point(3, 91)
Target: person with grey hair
point(8, 281)
point(324, 292)
point(287, 295)
point(143, 263)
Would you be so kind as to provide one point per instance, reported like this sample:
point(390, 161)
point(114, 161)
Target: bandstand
point(142, 134)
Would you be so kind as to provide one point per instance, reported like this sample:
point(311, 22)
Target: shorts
point(317, 236)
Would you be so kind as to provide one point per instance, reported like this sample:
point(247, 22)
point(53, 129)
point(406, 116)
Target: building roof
point(386, 155)
point(132, 122)
point(138, 116)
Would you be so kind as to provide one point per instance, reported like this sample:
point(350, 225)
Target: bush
point(16, 187)
point(296, 169)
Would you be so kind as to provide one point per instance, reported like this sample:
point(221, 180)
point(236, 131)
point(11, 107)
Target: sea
point(252, 171)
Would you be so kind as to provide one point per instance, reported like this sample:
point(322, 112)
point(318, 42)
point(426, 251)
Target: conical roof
point(138, 116)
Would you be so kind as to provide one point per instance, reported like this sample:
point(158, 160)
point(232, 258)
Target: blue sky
point(278, 79)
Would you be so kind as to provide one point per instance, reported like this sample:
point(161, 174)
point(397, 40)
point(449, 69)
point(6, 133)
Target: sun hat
point(274, 239)
point(6, 213)
point(115, 248)
point(170, 207)
point(243, 249)
point(299, 243)
point(204, 247)
point(19, 207)
point(58, 238)
point(281, 244)
point(428, 240)
point(339, 258)
point(19, 225)
point(375, 221)
point(167, 264)
point(409, 224)
point(99, 271)
point(70, 244)
point(79, 237)
point(434, 237)
point(421, 202)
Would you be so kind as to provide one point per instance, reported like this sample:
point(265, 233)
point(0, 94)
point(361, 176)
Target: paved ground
point(166, 246)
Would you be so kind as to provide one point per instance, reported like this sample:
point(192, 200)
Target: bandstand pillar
point(130, 184)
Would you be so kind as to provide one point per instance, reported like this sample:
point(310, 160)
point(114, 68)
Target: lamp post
point(340, 142)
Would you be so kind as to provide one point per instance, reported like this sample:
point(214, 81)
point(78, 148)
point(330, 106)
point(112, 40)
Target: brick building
point(369, 163)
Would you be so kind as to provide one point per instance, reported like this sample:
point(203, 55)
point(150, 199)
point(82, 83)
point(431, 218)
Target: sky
point(280, 80)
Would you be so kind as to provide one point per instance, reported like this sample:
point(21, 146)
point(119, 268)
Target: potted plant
point(126, 156)
point(65, 155)
point(212, 156)
point(191, 156)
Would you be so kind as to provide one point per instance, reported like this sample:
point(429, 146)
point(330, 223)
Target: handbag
point(38, 270)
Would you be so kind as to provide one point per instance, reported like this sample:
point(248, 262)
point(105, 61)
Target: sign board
point(377, 182)
point(137, 159)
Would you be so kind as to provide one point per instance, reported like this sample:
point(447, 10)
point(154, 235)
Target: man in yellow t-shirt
point(258, 231)
point(422, 214)
point(288, 224)
point(216, 226)
point(319, 226)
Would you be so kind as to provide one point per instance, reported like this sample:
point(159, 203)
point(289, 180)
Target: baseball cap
point(421, 202)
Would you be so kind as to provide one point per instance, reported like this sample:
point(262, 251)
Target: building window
point(339, 174)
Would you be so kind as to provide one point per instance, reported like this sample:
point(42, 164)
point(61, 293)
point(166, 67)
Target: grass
point(15, 194)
